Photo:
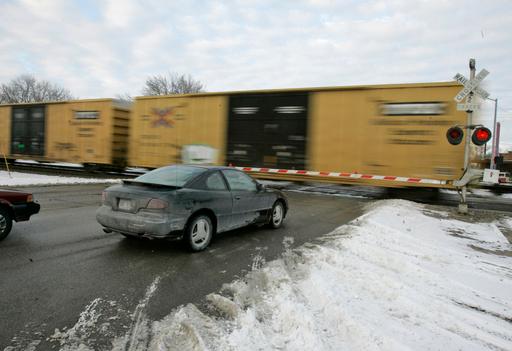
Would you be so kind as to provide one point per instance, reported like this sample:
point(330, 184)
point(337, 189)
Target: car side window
point(239, 181)
point(215, 182)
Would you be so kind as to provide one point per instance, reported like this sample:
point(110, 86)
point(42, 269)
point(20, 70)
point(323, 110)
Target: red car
point(17, 206)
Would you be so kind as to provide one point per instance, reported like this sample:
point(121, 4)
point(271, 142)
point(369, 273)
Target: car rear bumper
point(148, 224)
point(22, 212)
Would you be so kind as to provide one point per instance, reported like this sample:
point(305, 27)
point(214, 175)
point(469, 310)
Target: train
point(385, 135)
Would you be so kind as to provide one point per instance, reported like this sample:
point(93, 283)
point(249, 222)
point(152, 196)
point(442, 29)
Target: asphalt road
point(60, 271)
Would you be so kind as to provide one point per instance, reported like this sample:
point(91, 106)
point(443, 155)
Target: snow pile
point(64, 164)
point(137, 336)
point(82, 330)
point(398, 278)
point(97, 325)
point(20, 179)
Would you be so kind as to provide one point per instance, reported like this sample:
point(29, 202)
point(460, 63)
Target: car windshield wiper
point(156, 185)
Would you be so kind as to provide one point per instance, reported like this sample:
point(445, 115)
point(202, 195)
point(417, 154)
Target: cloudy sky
point(101, 48)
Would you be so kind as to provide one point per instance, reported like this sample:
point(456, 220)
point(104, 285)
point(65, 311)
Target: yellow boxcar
point(395, 130)
point(382, 130)
point(81, 131)
point(163, 128)
point(5, 130)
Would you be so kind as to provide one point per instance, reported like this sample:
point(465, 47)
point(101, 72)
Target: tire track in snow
point(138, 337)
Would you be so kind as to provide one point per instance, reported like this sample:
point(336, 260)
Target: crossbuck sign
point(470, 86)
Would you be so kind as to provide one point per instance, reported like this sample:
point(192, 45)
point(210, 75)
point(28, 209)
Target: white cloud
point(120, 13)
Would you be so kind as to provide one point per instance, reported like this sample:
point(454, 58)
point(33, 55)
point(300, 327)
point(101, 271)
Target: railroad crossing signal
point(455, 135)
point(481, 135)
point(471, 85)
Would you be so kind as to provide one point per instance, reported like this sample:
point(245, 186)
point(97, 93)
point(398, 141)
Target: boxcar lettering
point(150, 136)
point(411, 122)
point(86, 114)
point(410, 132)
point(65, 146)
point(413, 108)
point(88, 122)
point(410, 142)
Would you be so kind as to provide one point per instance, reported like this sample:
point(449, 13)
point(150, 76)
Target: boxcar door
point(268, 130)
point(28, 130)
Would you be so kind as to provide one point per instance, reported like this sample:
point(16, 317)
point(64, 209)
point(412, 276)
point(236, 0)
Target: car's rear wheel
point(277, 215)
point(199, 233)
point(5, 223)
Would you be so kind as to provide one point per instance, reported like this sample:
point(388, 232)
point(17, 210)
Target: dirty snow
point(479, 193)
point(63, 164)
point(398, 278)
point(139, 332)
point(137, 170)
point(22, 179)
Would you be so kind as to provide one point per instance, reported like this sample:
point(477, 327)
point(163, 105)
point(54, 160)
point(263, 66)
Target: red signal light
point(481, 135)
point(455, 135)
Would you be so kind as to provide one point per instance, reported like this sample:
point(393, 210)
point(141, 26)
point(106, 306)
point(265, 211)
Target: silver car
point(189, 202)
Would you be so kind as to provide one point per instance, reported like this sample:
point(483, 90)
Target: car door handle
point(238, 197)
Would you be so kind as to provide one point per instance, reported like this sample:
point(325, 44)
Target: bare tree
point(124, 97)
point(124, 100)
point(25, 88)
point(171, 84)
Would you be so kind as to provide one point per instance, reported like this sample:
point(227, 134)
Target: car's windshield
point(170, 175)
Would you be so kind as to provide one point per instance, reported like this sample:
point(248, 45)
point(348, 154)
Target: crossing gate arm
point(344, 178)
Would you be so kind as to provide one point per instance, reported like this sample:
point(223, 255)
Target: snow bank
point(64, 164)
point(398, 278)
point(20, 179)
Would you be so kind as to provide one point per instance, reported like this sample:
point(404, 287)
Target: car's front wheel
point(277, 215)
point(5, 223)
point(199, 233)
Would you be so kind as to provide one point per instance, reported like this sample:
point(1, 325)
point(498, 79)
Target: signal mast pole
point(463, 205)
point(495, 146)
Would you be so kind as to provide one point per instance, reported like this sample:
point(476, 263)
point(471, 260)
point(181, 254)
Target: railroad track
point(49, 169)
point(423, 195)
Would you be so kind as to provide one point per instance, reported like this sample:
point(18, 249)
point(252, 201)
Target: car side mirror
point(260, 186)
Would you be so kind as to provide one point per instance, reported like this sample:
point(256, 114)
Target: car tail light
point(157, 203)
point(30, 198)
